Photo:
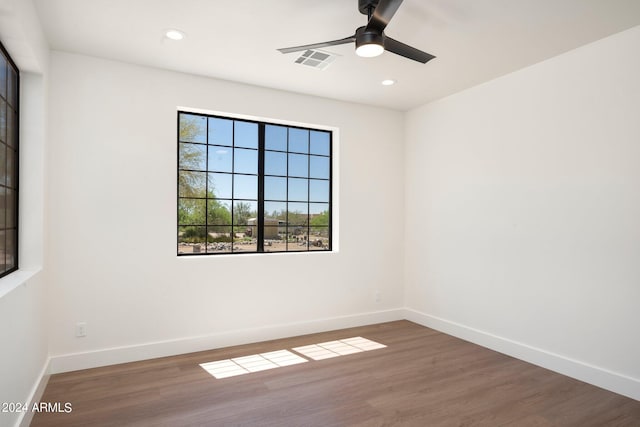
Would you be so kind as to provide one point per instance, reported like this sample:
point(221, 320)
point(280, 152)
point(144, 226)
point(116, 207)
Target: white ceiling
point(473, 40)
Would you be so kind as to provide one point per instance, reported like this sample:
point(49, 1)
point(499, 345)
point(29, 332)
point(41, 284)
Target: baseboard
point(594, 375)
point(112, 356)
point(24, 420)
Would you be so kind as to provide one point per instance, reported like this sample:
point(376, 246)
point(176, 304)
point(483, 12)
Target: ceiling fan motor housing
point(368, 37)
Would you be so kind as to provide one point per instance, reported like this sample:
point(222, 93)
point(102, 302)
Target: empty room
point(319, 213)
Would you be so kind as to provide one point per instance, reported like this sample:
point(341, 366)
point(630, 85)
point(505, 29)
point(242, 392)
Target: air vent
point(316, 59)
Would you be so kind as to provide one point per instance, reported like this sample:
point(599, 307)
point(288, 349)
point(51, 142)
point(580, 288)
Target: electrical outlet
point(81, 329)
point(376, 296)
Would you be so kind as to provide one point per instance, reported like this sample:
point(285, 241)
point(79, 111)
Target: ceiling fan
point(371, 40)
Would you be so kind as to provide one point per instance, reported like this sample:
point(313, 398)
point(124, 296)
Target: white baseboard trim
point(24, 420)
point(112, 356)
point(612, 381)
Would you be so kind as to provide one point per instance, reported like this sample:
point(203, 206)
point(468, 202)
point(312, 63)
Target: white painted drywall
point(23, 338)
point(23, 330)
point(523, 207)
point(112, 193)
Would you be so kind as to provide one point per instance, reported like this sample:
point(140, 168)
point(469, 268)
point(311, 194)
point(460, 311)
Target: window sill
point(16, 279)
point(252, 254)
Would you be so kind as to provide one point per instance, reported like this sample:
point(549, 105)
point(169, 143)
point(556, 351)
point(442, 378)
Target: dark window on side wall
point(252, 187)
point(9, 91)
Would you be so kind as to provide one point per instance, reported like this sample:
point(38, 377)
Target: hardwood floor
point(423, 378)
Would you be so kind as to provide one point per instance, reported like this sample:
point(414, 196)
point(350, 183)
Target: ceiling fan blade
point(407, 51)
point(382, 14)
point(345, 40)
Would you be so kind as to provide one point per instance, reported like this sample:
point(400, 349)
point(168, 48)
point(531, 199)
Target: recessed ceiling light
point(174, 34)
point(388, 82)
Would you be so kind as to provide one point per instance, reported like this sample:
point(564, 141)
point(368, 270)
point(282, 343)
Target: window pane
point(275, 163)
point(298, 165)
point(297, 214)
point(245, 161)
point(244, 221)
point(319, 223)
point(191, 211)
point(318, 190)
point(11, 248)
point(274, 239)
point(243, 212)
point(275, 188)
point(299, 140)
point(3, 207)
point(298, 189)
point(12, 128)
point(320, 143)
point(220, 185)
point(319, 214)
point(246, 134)
point(319, 239)
point(220, 240)
point(192, 184)
point(191, 240)
point(275, 138)
point(218, 212)
point(319, 167)
point(220, 159)
point(11, 172)
point(275, 215)
point(193, 128)
point(298, 239)
point(243, 242)
point(193, 157)
point(3, 250)
point(12, 87)
point(245, 187)
point(220, 131)
point(3, 77)
point(276, 210)
point(3, 120)
point(3, 164)
point(12, 204)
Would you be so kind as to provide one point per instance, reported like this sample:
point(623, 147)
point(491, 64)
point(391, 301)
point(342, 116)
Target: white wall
point(24, 345)
point(523, 213)
point(112, 191)
point(23, 332)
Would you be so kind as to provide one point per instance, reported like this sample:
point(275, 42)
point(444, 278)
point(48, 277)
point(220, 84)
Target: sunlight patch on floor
point(275, 359)
point(254, 363)
point(337, 348)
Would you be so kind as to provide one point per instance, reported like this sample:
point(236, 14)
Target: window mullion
point(260, 219)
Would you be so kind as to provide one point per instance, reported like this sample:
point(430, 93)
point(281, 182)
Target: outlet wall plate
point(81, 329)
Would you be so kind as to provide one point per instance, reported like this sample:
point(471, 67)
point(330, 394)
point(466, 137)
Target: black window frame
point(261, 241)
point(10, 142)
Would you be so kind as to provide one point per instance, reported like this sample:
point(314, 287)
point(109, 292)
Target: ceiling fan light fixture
point(369, 50)
point(369, 44)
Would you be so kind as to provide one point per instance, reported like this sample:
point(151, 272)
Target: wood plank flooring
point(423, 378)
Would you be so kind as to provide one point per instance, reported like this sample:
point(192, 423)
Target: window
point(9, 88)
point(251, 187)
